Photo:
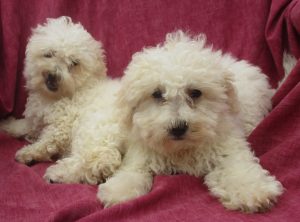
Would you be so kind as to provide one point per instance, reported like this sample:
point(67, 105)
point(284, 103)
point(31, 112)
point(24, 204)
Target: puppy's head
point(60, 57)
point(177, 95)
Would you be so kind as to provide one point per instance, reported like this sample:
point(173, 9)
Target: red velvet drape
point(257, 31)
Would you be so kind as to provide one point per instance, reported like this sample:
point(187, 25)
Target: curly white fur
point(93, 153)
point(188, 109)
point(80, 124)
point(61, 57)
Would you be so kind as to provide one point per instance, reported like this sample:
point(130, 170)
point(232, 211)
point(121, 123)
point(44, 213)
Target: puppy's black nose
point(179, 129)
point(51, 82)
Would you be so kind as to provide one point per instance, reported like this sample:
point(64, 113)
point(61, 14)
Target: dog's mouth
point(174, 138)
point(51, 82)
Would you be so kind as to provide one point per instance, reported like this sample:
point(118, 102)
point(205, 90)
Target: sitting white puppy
point(188, 109)
point(61, 58)
point(70, 106)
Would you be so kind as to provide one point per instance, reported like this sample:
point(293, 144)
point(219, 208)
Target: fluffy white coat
point(71, 118)
point(188, 109)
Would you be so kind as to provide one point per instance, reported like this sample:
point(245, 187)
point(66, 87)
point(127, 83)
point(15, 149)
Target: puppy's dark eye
point(48, 55)
point(74, 62)
point(157, 94)
point(194, 93)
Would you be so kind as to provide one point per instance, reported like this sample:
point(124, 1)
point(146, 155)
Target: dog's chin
point(174, 138)
point(52, 92)
point(175, 144)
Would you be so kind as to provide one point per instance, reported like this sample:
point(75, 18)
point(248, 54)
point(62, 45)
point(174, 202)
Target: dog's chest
point(191, 163)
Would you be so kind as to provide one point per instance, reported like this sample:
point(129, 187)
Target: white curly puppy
point(61, 57)
point(70, 105)
point(188, 109)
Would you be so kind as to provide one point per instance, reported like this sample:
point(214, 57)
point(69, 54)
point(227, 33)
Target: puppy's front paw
point(123, 187)
point(254, 199)
point(27, 155)
point(107, 195)
point(114, 193)
point(62, 173)
point(100, 168)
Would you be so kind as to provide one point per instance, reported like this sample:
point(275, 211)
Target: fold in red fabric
point(258, 31)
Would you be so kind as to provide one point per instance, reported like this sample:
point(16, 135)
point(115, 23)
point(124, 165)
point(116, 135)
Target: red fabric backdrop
point(257, 31)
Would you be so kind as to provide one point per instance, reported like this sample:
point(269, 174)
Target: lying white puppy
point(188, 109)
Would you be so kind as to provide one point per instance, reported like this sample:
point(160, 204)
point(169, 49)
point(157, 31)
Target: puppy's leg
point(50, 143)
point(15, 127)
point(67, 170)
point(95, 151)
point(90, 167)
point(132, 180)
point(241, 183)
point(55, 136)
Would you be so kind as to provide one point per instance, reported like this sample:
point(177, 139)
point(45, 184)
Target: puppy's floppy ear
point(125, 105)
point(126, 102)
point(134, 86)
point(231, 93)
point(99, 64)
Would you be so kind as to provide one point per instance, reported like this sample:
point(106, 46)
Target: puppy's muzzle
point(178, 130)
point(52, 81)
